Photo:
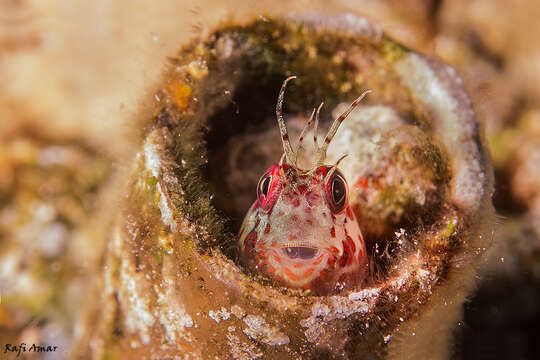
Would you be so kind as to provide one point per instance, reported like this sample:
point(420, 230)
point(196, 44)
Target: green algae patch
point(392, 51)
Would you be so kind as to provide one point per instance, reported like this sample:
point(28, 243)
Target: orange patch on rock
point(180, 93)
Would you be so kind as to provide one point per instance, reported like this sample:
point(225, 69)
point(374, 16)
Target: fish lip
point(303, 245)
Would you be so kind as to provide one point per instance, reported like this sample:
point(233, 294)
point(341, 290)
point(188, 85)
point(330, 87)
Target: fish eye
point(337, 192)
point(264, 186)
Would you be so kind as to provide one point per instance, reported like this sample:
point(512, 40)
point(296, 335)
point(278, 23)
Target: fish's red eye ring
point(269, 188)
point(337, 192)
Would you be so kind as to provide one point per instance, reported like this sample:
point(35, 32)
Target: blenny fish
point(301, 230)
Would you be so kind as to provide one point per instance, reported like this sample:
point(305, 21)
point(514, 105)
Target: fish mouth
point(300, 252)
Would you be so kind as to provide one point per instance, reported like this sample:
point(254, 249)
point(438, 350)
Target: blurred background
point(73, 74)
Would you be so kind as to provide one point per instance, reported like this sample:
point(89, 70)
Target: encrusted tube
point(172, 284)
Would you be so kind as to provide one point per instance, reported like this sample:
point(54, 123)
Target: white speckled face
point(301, 229)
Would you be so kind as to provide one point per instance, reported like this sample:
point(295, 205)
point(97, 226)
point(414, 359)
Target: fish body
point(301, 230)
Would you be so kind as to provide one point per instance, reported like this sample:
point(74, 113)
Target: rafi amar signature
point(24, 348)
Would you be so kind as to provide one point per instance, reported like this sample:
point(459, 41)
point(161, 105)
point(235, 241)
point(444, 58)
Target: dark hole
point(252, 103)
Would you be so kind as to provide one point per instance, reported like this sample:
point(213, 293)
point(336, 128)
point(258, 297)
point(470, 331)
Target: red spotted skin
point(301, 230)
point(296, 235)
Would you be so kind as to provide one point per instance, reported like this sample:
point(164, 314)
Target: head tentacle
point(300, 144)
point(281, 172)
point(316, 127)
point(334, 128)
point(335, 166)
point(289, 154)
